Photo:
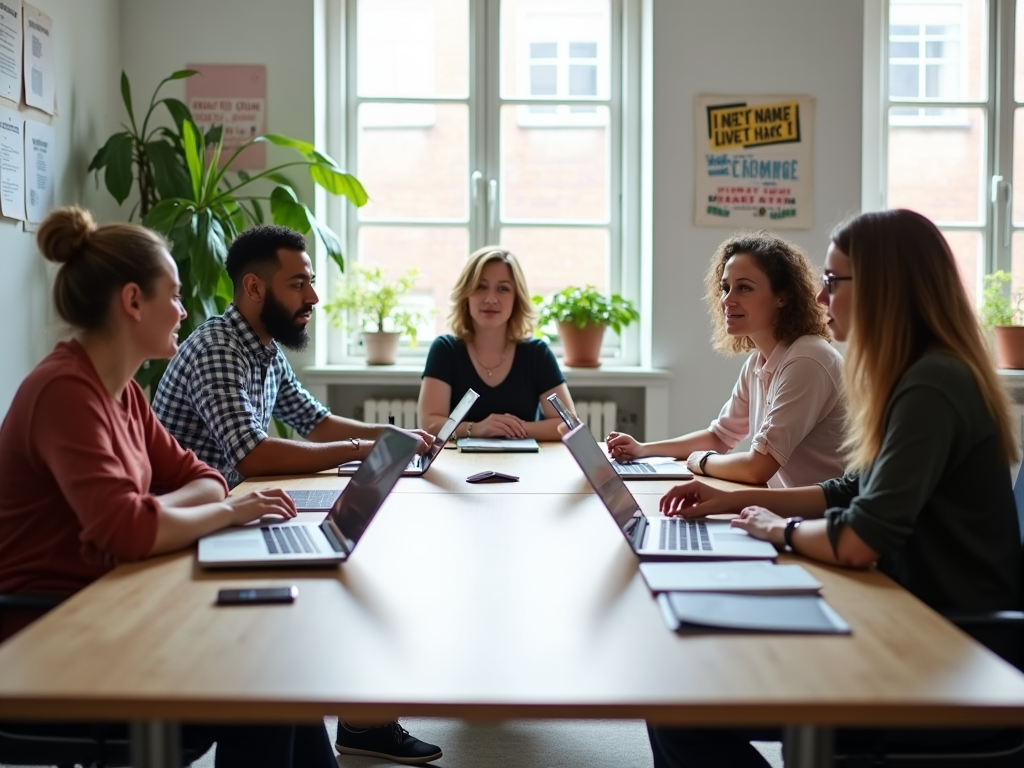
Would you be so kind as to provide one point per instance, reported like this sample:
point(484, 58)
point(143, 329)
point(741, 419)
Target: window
point(942, 124)
point(478, 122)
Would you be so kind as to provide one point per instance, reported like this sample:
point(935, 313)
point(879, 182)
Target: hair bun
point(63, 233)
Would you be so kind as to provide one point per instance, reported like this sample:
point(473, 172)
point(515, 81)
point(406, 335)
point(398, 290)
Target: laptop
point(663, 538)
point(295, 543)
point(421, 462)
point(654, 468)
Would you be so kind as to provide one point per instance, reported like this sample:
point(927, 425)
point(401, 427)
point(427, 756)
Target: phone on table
point(258, 595)
point(492, 477)
point(570, 418)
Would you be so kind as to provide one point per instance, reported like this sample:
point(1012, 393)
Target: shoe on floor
point(390, 742)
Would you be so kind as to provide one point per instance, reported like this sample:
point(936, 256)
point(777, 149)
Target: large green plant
point(998, 307)
point(585, 306)
point(190, 193)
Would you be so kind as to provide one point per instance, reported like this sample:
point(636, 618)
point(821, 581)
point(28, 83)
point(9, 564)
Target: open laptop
point(300, 543)
point(421, 463)
point(654, 468)
point(662, 538)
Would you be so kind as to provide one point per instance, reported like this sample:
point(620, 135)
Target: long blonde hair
point(520, 324)
point(907, 297)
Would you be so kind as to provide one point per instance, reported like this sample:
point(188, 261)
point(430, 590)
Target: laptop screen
point(358, 503)
point(603, 478)
point(454, 419)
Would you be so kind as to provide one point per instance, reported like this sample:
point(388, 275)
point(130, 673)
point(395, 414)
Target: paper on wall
point(38, 62)
point(38, 170)
point(10, 49)
point(12, 164)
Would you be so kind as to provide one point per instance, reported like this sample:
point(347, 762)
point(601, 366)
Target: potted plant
point(582, 315)
point(185, 192)
point(1003, 313)
point(372, 301)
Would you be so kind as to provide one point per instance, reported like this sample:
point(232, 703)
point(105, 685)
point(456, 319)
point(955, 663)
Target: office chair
point(1004, 749)
point(63, 745)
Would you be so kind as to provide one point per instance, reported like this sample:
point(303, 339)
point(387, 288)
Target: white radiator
point(600, 416)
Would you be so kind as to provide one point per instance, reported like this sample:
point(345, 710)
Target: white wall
point(87, 48)
point(740, 47)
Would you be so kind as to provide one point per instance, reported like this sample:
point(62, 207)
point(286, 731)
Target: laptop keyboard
point(636, 469)
point(288, 540)
point(314, 499)
point(684, 536)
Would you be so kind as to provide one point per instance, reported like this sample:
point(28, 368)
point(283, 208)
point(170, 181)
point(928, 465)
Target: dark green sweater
point(937, 503)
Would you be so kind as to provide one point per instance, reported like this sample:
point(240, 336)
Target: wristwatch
point(792, 523)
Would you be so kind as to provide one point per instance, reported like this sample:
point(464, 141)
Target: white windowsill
point(405, 374)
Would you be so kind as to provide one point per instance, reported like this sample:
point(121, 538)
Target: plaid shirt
point(222, 388)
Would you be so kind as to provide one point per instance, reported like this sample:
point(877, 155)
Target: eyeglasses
point(829, 281)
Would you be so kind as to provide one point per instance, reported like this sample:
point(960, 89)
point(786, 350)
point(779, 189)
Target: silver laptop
point(421, 463)
point(300, 543)
point(663, 538)
point(661, 468)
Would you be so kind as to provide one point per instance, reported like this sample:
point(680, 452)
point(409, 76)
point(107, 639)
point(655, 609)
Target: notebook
point(498, 445)
point(753, 577)
point(666, 538)
point(701, 613)
point(296, 542)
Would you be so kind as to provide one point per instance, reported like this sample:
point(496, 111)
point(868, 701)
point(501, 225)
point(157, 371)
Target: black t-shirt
point(534, 371)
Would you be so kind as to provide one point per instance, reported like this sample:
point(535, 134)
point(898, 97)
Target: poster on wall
point(10, 50)
point(755, 162)
point(38, 63)
point(235, 97)
point(12, 164)
point(38, 170)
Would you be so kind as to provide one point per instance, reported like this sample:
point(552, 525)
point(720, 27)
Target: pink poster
point(233, 96)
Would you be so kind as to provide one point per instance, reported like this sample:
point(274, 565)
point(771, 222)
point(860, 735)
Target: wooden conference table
point(486, 602)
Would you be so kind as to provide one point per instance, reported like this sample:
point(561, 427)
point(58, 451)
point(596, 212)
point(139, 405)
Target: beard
point(283, 325)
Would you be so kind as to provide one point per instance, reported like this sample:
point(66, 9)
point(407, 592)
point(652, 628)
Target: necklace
point(493, 368)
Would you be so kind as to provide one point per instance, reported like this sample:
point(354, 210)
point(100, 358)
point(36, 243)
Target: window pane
point(554, 258)
point(904, 81)
point(968, 250)
point(414, 171)
point(565, 30)
point(1018, 54)
point(1018, 166)
point(554, 166)
point(543, 80)
point(437, 252)
point(1017, 264)
point(904, 50)
point(582, 80)
point(413, 48)
point(935, 166)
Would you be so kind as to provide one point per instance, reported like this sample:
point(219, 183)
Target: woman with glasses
point(927, 495)
point(761, 296)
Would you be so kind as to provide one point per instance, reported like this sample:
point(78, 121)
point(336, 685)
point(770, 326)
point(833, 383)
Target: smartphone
point(570, 419)
point(259, 595)
point(492, 477)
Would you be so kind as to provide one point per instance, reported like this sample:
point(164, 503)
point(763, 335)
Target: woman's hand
point(695, 499)
point(253, 506)
point(426, 439)
point(500, 425)
point(622, 447)
point(762, 524)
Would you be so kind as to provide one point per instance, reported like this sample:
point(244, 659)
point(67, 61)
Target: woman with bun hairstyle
point(927, 495)
point(88, 476)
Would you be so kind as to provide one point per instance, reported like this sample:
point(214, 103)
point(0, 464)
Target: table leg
point(156, 744)
point(805, 746)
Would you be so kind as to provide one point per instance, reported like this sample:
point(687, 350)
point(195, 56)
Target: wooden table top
point(524, 604)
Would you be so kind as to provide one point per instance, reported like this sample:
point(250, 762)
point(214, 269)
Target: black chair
point(1004, 749)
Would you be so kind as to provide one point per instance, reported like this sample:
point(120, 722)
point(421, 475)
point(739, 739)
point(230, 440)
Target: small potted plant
point(582, 315)
point(1003, 313)
point(372, 301)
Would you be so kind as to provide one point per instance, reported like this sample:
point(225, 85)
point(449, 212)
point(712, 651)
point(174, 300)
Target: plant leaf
point(118, 175)
point(339, 183)
point(304, 147)
point(286, 210)
point(164, 216)
point(126, 97)
point(181, 74)
point(214, 135)
point(178, 110)
point(99, 159)
point(280, 178)
point(190, 139)
point(170, 176)
point(332, 243)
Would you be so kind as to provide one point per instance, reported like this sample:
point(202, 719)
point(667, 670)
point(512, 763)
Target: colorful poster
point(755, 162)
point(233, 96)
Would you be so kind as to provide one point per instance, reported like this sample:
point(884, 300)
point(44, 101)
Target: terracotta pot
point(381, 347)
point(1010, 345)
point(582, 346)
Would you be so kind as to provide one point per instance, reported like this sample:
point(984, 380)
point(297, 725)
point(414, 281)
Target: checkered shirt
point(222, 388)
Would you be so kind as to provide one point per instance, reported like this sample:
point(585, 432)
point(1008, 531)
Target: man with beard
point(230, 377)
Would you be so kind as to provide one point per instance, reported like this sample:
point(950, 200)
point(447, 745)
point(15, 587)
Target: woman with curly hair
point(761, 296)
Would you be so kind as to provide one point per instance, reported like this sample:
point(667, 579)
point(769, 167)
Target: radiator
point(599, 416)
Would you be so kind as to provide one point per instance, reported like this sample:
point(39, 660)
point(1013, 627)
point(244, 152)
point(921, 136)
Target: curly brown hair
point(790, 275)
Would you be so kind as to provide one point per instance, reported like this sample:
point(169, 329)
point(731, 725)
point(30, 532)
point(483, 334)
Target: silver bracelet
point(469, 429)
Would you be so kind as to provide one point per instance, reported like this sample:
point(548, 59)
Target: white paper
point(10, 49)
point(38, 170)
point(38, 61)
point(12, 164)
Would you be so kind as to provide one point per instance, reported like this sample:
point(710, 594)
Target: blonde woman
point(761, 297)
point(927, 497)
point(491, 350)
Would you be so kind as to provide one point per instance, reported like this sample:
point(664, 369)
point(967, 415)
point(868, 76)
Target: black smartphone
point(570, 418)
point(492, 477)
point(258, 595)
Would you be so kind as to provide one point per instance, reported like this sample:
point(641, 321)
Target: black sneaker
point(391, 742)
